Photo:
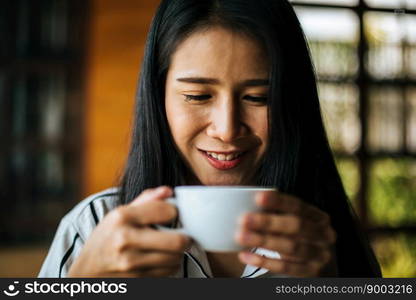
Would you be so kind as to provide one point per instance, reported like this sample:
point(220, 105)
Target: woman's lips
point(223, 164)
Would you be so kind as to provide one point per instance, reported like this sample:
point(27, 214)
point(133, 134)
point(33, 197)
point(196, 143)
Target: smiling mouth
point(225, 156)
point(224, 160)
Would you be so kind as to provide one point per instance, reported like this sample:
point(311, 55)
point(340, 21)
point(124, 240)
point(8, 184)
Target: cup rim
point(224, 187)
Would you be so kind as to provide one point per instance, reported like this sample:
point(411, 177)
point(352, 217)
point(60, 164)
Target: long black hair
point(298, 159)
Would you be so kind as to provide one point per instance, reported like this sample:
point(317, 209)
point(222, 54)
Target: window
point(41, 45)
point(365, 56)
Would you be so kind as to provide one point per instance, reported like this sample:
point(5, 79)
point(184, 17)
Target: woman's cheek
point(185, 124)
point(192, 118)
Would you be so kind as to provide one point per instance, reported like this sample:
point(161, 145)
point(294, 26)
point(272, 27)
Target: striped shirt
point(75, 228)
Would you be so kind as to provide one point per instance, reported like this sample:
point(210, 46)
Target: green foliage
point(392, 192)
point(392, 202)
point(397, 255)
point(348, 170)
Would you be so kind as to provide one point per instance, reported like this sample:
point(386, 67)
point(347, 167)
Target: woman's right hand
point(124, 245)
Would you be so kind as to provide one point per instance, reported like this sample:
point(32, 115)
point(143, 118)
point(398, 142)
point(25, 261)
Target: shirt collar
point(198, 265)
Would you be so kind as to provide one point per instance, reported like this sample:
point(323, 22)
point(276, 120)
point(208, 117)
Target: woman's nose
point(226, 123)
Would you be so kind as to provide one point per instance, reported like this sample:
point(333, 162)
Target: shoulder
point(74, 229)
point(90, 211)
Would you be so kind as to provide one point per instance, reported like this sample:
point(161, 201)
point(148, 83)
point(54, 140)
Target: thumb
point(159, 193)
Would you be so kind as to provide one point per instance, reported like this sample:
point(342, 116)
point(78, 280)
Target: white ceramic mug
point(209, 214)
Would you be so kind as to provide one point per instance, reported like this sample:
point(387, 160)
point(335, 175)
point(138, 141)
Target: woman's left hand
point(299, 232)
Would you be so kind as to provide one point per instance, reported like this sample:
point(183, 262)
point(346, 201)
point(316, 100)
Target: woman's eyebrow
point(201, 80)
point(206, 80)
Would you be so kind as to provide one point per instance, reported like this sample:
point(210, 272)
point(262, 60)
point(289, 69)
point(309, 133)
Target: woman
point(227, 96)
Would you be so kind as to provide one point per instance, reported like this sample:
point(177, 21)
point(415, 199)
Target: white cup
point(209, 214)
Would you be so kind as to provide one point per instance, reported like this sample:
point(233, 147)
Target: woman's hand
point(300, 233)
point(124, 245)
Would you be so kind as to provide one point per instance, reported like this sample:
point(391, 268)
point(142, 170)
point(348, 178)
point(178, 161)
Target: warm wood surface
point(22, 261)
point(117, 33)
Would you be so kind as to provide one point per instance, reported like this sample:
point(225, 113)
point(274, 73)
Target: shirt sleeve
point(65, 247)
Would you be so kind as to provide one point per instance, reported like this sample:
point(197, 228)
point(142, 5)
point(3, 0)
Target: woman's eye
point(197, 97)
point(257, 99)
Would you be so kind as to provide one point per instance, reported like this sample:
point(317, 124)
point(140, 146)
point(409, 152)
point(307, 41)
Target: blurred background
point(68, 71)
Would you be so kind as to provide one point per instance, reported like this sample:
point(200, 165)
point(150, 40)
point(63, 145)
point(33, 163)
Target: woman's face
point(216, 94)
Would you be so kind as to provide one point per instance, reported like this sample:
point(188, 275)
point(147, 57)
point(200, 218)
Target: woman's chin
point(222, 181)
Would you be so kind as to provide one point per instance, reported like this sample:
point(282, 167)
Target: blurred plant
point(392, 202)
point(348, 170)
point(392, 192)
point(392, 189)
point(397, 255)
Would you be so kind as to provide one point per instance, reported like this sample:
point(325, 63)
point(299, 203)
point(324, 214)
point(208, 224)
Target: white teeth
point(230, 156)
point(223, 156)
point(214, 155)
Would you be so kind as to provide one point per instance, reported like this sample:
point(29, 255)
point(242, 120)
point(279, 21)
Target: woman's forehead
point(217, 51)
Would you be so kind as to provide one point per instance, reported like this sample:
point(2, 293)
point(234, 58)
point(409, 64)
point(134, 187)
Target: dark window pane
point(2, 94)
point(39, 164)
point(54, 25)
point(3, 108)
point(50, 173)
point(392, 192)
point(41, 27)
point(396, 255)
point(23, 35)
point(340, 112)
point(52, 94)
point(19, 107)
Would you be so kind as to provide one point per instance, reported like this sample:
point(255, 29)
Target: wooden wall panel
point(117, 33)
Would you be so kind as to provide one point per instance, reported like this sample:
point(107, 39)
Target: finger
point(285, 203)
point(288, 224)
point(283, 245)
point(158, 193)
point(135, 260)
point(146, 213)
point(148, 239)
point(280, 266)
